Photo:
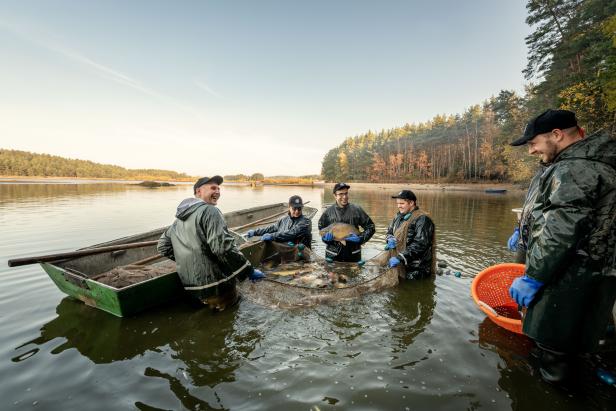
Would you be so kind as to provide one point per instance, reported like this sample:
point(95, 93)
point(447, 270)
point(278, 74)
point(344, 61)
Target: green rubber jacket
point(206, 257)
point(572, 247)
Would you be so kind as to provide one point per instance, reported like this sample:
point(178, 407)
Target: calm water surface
point(421, 346)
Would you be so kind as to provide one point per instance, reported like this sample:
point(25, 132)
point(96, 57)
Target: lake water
point(421, 346)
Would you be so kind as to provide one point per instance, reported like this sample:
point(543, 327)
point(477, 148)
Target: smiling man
point(569, 284)
point(293, 227)
point(345, 212)
point(411, 234)
point(207, 259)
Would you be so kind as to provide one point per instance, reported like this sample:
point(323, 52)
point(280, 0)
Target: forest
point(23, 163)
point(571, 65)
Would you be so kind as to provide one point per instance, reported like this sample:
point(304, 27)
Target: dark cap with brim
point(296, 202)
point(340, 186)
point(546, 122)
point(406, 195)
point(207, 180)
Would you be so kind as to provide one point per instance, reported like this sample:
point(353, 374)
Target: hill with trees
point(24, 163)
point(572, 53)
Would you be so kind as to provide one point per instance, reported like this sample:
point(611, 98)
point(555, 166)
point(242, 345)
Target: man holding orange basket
point(569, 284)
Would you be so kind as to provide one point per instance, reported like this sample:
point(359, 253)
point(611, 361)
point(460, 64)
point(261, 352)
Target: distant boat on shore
point(495, 190)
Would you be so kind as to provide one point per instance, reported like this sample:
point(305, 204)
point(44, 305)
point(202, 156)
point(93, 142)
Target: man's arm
point(272, 228)
point(302, 229)
point(367, 225)
point(324, 220)
point(422, 239)
point(564, 220)
point(165, 247)
point(222, 244)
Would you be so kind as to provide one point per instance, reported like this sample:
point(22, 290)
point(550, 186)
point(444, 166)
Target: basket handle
point(487, 307)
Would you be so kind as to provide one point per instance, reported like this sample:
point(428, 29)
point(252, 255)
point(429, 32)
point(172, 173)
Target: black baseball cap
point(340, 186)
point(296, 202)
point(406, 195)
point(546, 122)
point(207, 180)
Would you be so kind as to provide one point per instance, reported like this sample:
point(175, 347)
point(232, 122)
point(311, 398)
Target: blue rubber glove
point(329, 236)
point(353, 238)
point(512, 243)
point(256, 275)
point(250, 233)
point(524, 289)
point(267, 237)
point(391, 242)
point(394, 262)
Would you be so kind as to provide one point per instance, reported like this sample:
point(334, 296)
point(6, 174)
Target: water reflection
point(422, 345)
point(520, 379)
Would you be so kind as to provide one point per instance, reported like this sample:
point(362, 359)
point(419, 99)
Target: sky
point(228, 87)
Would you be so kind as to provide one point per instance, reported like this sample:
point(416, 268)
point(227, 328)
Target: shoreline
point(355, 185)
point(436, 187)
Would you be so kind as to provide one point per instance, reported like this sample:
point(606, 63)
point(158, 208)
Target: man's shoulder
point(211, 211)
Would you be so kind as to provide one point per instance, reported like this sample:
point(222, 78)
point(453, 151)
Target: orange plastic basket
point(490, 290)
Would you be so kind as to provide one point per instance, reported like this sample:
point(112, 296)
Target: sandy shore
point(434, 187)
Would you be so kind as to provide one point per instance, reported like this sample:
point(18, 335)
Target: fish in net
point(300, 278)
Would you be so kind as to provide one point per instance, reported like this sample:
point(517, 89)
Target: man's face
point(404, 206)
point(210, 193)
point(544, 145)
point(295, 211)
point(342, 197)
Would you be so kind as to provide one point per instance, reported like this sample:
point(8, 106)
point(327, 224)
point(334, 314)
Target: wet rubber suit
point(297, 230)
point(526, 217)
point(207, 259)
point(351, 214)
point(572, 247)
point(417, 256)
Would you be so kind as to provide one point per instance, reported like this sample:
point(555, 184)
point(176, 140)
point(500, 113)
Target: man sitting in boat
point(293, 227)
point(207, 259)
point(345, 212)
point(411, 233)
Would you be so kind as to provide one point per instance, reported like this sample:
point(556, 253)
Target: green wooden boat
point(75, 276)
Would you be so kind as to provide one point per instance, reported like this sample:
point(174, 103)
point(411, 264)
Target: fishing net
point(300, 278)
point(126, 275)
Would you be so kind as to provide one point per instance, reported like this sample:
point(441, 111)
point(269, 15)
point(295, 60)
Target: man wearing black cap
point(345, 212)
point(293, 227)
point(411, 235)
point(569, 284)
point(207, 259)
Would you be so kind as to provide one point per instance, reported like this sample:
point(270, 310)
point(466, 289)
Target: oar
point(79, 253)
point(262, 219)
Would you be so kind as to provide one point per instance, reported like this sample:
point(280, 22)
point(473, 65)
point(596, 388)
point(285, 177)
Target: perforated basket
point(490, 290)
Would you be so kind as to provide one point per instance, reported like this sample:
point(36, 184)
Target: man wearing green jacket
point(207, 259)
point(569, 284)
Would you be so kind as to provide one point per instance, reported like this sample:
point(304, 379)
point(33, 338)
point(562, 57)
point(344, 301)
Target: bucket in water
point(490, 290)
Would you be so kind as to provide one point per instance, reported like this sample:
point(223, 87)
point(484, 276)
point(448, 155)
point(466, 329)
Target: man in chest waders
point(207, 260)
point(345, 212)
point(411, 234)
point(569, 284)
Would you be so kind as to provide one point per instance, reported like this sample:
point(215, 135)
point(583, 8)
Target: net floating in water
point(289, 292)
point(490, 290)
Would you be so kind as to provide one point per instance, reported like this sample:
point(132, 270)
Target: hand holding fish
point(353, 238)
point(394, 262)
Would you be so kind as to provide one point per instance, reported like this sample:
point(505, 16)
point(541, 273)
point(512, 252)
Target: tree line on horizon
point(572, 51)
point(24, 163)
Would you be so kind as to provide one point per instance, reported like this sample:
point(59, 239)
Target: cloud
point(45, 40)
point(207, 88)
